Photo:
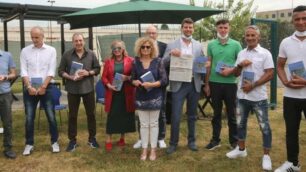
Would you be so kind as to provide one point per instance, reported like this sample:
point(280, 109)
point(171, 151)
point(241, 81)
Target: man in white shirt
point(255, 65)
point(38, 66)
point(293, 49)
point(190, 91)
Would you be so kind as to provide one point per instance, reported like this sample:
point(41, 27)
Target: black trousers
point(292, 109)
point(224, 92)
point(89, 104)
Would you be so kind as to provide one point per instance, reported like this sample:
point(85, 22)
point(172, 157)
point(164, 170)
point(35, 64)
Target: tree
point(239, 14)
point(164, 27)
point(285, 29)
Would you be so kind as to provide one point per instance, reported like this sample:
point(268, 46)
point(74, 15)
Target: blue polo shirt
point(6, 63)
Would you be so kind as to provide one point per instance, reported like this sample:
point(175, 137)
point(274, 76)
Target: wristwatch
point(239, 66)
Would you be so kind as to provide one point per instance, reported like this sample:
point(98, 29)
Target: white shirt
point(261, 59)
point(294, 50)
point(186, 49)
point(38, 62)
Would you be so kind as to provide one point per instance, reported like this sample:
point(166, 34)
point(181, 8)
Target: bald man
point(152, 33)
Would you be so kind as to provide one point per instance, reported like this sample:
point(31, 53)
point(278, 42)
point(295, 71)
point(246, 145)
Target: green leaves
point(238, 12)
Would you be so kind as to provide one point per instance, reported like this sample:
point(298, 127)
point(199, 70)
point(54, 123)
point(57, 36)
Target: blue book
point(118, 81)
point(220, 65)
point(199, 64)
point(36, 82)
point(147, 77)
point(297, 68)
point(75, 67)
point(247, 76)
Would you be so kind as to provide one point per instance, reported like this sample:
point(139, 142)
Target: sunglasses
point(116, 49)
point(147, 47)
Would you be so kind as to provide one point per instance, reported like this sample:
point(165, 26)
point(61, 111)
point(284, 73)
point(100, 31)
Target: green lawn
point(127, 159)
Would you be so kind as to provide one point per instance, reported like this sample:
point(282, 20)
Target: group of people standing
point(144, 85)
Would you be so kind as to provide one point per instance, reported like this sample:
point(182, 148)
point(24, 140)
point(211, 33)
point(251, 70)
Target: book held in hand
point(36, 82)
point(147, 77)
point(199, 64)
point(75, 67)
point(220, 65)
point(247, 77)
point(297, 68)
point(118, 81)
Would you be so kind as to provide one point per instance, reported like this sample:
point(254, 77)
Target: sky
point(260, 5)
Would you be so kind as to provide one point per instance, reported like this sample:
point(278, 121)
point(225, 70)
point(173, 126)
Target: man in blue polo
point(7, 72)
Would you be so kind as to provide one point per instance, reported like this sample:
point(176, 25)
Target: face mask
point(300, 34)
point(222, 37)
point(187, 37)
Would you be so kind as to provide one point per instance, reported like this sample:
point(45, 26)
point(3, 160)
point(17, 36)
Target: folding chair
point(100, 95)
point(56, 95)
point(207, 100)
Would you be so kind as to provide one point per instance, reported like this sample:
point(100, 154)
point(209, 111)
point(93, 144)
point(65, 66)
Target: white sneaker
point(237, 153)
point(288, 166)
point(55, 147)
point(137, 145)
point(266, 163)
point(162, 144)
point(28, 149)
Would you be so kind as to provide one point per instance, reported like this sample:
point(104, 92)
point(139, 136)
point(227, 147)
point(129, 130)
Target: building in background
point(281, 15)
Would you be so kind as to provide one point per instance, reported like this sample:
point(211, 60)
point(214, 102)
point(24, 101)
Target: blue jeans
point(187, 91)
point(261, 110)
point(6, 101)
point(30, 104)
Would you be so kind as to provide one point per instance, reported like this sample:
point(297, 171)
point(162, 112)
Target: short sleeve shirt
point(222, 52)
point(6, 63)
point(293, 50)
point(261, 59)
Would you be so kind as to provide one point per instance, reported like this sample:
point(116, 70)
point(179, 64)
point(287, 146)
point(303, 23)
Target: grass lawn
point(127, 159)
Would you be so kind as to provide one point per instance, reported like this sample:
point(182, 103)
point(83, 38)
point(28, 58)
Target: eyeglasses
point(116, 49)
point(147, 47)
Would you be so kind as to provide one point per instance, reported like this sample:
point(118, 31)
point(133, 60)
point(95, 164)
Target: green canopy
point(137, 11)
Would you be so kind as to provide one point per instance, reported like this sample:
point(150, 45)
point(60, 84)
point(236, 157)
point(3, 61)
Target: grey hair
point(77, 34)
point(41, 30)
point(254, 27)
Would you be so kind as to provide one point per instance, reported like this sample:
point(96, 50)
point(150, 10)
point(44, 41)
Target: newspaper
point(181, 68)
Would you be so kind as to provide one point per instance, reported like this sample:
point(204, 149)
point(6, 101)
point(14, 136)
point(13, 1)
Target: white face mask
point(222, 37)
point(300, 34)
point(187, 37)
